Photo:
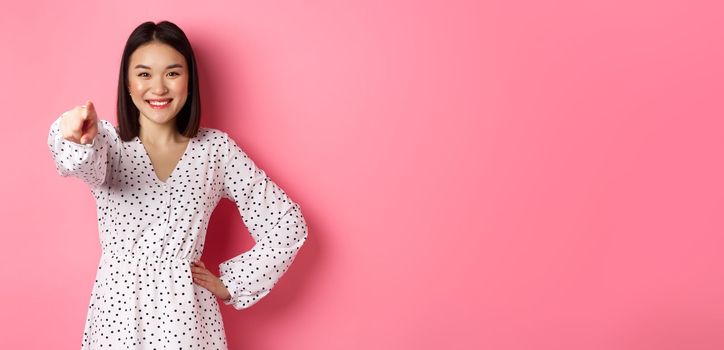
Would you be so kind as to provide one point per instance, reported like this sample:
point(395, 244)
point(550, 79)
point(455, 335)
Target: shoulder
point(211, 135)
point(106, 128)
point(215, 136)
point(220, 143)
point(215, 141)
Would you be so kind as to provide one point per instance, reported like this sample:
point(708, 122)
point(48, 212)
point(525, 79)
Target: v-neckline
point(153, 168)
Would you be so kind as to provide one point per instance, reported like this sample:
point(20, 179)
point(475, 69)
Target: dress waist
point(136, 256)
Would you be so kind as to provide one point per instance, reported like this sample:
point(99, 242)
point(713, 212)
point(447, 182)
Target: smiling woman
point(158, 64)
point(156, 179)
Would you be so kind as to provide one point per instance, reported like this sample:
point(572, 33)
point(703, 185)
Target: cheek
point(136, 87)
point(180, 85)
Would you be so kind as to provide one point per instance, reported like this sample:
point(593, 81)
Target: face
point(158, 82)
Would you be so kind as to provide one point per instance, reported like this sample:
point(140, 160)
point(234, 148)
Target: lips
point(159, 103)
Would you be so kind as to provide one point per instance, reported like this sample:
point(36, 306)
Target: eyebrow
point(175, 65)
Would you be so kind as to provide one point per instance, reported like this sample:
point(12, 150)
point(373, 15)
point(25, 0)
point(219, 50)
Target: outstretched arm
point(80, 144)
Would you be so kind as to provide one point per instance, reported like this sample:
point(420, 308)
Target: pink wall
point(498, 175)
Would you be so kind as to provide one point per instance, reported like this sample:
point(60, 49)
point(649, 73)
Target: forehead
point(156, 55)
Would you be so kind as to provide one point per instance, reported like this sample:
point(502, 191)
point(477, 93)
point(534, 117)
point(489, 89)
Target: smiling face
point(158, 82)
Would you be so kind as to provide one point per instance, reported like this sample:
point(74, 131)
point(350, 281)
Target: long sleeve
point(272, 218)
point(88, 162)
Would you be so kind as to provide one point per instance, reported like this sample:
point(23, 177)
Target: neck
point(157, 134)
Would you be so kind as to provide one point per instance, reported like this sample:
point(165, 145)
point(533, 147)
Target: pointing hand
point(80, 124)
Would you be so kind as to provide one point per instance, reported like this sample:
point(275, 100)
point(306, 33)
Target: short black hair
point(189, 117)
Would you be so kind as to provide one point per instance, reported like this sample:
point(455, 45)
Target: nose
point(159, 86)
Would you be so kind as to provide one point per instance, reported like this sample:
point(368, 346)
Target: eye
point(142, 74)
point(174, 73)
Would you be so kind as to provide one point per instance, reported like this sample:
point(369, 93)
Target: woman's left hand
point(203, 277)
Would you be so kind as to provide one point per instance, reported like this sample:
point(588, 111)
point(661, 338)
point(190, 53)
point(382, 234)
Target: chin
point(159, 118)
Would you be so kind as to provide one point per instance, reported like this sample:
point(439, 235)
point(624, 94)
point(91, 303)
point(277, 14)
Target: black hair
point(189, 117)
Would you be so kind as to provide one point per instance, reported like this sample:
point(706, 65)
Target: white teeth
point(159, 103)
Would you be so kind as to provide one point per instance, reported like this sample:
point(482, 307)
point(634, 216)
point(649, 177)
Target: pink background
point(497, 175)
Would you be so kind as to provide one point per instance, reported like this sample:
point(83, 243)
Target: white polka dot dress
point(150, 231)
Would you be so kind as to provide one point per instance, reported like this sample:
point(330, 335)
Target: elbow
point(303, 228)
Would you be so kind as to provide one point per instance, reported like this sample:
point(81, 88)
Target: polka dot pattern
point(150, 231)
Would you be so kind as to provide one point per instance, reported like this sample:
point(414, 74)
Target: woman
point(156, 179)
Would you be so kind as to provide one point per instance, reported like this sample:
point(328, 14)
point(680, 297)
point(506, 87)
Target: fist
point(80, 124)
